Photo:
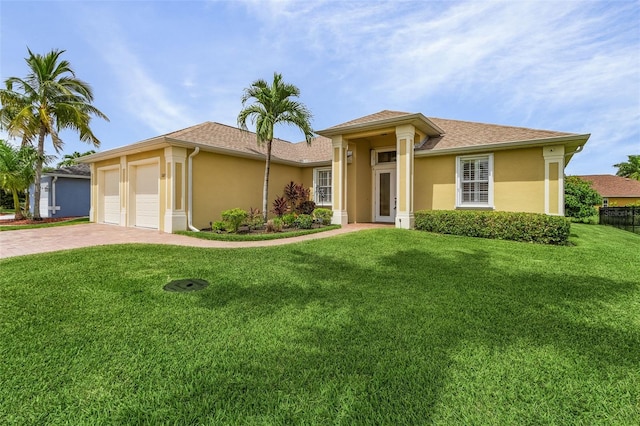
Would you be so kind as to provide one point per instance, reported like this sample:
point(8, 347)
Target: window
point(605, 202)
point(386, 157)
point(474, 181)
point(322, 187)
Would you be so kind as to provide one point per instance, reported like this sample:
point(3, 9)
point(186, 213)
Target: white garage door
point(147, 200)
point(110, 200)
point(44, 199)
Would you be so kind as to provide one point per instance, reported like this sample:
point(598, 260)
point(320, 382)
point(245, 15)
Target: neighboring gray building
point(65, 192)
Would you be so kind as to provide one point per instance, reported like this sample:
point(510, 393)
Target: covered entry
point(372, 166)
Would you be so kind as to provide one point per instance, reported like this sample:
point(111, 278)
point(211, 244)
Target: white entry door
point(385, 195)
point(109, 199)
point(146, 198)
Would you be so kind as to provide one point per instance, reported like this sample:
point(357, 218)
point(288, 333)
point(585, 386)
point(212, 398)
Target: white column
point(339, 180)
point(124, 191)
point(553, 180)
point(405, 136)
point(175, 216)
point(93, 193)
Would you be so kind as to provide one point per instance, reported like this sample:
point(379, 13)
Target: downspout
point(190, 193)
point(53, 195)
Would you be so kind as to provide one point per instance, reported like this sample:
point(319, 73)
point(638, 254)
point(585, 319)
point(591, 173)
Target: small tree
point(267, 105)
point(16, 172)
point(580, 198)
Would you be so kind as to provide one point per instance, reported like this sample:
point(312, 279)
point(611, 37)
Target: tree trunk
point(265, 191)
point(16, 206)
point(39, 160)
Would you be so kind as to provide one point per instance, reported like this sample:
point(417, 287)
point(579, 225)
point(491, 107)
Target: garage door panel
point(110, 201)
point(147, 198)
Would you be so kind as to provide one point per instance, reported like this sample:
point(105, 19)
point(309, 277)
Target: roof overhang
point(164, 142)
point(419, 121)
point(572, 144)
point(61, 175)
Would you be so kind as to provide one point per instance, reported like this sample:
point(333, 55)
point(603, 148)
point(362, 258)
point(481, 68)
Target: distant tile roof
point(222, 136)
point(75, 170)
point(613, 186)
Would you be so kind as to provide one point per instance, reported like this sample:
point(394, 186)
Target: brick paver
point(43, 240)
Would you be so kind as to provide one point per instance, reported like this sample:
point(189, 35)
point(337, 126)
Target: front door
point(385, 195)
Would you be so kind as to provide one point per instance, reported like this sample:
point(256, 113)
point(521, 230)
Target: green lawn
point(75, 221)
point(377, 327)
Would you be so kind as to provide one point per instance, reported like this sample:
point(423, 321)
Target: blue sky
point(159, 66)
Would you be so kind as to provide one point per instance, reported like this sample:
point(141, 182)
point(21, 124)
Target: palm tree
point(72, 159)
point(630, 169)
point(48, 100)
point(16, 171)
point(271, 105)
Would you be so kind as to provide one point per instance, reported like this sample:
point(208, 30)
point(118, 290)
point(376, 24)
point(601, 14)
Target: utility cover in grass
point(190, 284)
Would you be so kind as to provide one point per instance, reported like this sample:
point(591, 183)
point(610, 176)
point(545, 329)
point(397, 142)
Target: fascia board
point(134, 148)
point(418, 120)
point(564, 140)
point(58, 175)
point(253, 156)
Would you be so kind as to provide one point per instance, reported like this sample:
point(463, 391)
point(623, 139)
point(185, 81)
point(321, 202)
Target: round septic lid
point(189, 284)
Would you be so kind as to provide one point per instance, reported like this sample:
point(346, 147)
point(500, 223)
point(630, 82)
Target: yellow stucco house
point(615, 190)
point(379, 168)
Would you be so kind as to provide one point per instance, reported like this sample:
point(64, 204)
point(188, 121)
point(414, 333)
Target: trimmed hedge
point(529, 227)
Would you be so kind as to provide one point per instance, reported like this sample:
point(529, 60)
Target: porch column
point(175, 217)
point(553, 180)
point(339, 180)
point(93, 210)
point(405, 136)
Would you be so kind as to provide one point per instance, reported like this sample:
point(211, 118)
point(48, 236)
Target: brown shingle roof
point(222, 136)
point(382, 115)
point(460, 134)
point(613, 186)
point(454, 134)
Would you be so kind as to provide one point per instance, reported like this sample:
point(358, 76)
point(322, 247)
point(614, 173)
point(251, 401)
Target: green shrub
point(234, 217)
point(219, 226)
point(274, 225)
point(323, 215)
point(530, 227)
point(304, 221)
point(289, 220)
point(254, 219)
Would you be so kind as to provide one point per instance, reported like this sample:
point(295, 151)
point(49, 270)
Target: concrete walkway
point(43, 240)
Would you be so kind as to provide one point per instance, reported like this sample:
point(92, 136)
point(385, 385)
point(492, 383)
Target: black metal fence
point(627, 218)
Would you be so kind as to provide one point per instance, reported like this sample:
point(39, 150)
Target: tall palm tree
point(72, 159)
point(16, 171)
point(272, 104)
point(630, 169)
point(48, 100)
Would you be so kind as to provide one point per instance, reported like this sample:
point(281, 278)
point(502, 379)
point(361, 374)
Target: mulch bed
point(12, 222)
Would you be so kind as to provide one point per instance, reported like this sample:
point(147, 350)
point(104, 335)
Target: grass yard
point(378, 327)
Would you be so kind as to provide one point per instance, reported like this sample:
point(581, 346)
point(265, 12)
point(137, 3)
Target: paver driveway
point(42, 240)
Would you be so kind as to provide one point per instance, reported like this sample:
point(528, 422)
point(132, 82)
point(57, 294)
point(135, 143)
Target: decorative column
point(93, 208)
point(339, 180)
point(405, 136)
point(175, 217)
point(124, 192)
point(553, 180)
